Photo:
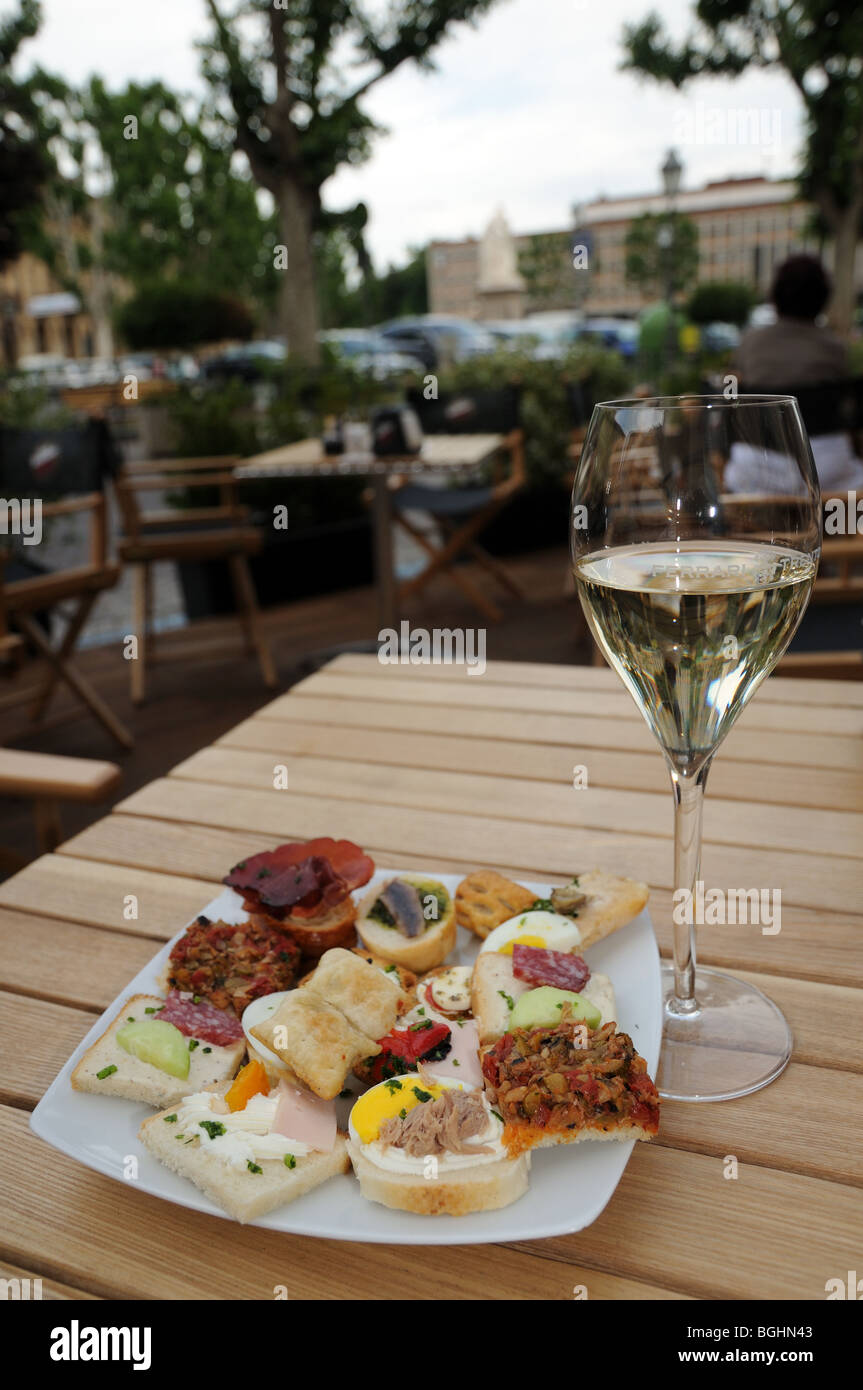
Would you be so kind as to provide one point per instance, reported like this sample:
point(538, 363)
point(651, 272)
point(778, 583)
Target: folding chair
point(217, 532)
point(462, 513)
point(73, 460)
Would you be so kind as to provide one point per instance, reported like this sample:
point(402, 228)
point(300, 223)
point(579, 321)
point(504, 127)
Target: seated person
point(794, 351)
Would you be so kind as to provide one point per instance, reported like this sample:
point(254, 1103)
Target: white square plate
point(569, 1185)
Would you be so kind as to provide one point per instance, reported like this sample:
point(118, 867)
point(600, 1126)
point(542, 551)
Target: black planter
point(536, 519)
point(293, 564)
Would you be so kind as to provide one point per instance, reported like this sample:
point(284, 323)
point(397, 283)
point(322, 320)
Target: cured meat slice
point(538, 966)
point(299, 878)
point(201, 1020)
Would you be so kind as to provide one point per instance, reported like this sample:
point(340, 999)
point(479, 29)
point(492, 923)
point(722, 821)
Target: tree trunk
point(844, 301)
point(298, 303)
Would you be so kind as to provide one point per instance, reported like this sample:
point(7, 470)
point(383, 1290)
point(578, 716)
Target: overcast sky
point(527, 111)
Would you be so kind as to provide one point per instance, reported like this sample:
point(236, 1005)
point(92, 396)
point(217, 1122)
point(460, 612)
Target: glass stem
point(688, 788)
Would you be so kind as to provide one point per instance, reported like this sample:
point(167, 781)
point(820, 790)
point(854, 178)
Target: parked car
point(436, 339)
point(248, 361)
point(369, 352)
point(719, 337)
point(619, 335)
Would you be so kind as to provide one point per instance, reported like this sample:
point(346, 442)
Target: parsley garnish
point(393, 1086)
point(510, 1004)
point(106, 1071)
point(208, 1049)
point(290, 1161)
point(389, 970)
point(253, 1167)
point(155, 1011)
point(421, 1012)
point(130, 1018)
point(497, 1116)
point(213, 1127)
point(402, 1114)
point(196, 998)
point(193, 1043)
point(542, 905)
point(420, 1027)
point(170, 1119)
point(420, 1094)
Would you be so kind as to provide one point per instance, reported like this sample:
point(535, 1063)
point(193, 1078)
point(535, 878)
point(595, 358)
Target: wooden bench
point(49, 779)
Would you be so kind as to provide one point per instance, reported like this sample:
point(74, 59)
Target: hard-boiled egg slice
point(549, 930)
point(390, 1098)
point(255, 1013)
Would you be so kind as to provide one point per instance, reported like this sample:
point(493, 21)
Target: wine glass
point(693, 594)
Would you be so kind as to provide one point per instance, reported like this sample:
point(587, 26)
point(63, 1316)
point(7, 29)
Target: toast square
point(243, 1195)
point(366, 996)
point(137, 1080)
point(318, 1043)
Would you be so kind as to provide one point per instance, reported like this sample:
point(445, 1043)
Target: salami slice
point(202, 1020)
point(536, 966)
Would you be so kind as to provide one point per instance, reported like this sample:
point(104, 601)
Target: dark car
point(435, 339)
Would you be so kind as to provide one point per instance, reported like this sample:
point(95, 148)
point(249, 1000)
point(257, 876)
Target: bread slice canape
point(495, 990)
point(409, 921)
point(432, 1148)
point(107, 1069)
point(315, 1041)
point(564, 1084)
point(600, 903)
point(235, 1154)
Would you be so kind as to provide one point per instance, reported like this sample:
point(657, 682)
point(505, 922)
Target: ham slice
point(305, 1117)
point(462, 1061)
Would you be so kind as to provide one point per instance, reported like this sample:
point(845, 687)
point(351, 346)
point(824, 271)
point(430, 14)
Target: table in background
point(457, 454)
point(438, 770)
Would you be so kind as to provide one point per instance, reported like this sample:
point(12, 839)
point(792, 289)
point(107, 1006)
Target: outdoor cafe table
point(433, 769)
point(457, 454)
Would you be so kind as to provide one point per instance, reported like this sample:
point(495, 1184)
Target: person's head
point(801, 288)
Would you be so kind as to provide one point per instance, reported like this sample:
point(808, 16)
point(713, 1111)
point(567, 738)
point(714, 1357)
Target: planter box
point(292, 565)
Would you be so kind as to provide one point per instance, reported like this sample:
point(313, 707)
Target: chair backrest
point(214, 475)
point(486, 410)
point(57, 463)
point(830, 407)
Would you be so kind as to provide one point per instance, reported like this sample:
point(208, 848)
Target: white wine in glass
point(693, 596)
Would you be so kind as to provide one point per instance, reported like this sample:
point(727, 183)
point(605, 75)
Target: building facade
point(746, 227)
point(37, 316)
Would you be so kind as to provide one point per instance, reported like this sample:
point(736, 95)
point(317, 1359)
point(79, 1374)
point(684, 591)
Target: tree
point(144, 184)
point(661, 253)
point(295, 88)
point(173, 314)
point(720, 302)
point(22, 166)
point(546, 266)
point(819, 44)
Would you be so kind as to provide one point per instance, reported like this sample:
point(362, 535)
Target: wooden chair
point(213, 532)
point(462, 513)
point(24, 599)
point(48, 780)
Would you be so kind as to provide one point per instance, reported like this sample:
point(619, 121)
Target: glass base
point(734, 1041)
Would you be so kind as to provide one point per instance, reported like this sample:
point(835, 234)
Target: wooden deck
point(204, 687)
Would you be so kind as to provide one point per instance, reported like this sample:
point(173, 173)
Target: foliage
point(545, 415)
point(546, 267)
point(26, 406)
point(174, 314)
point(721, 302)
point(22, 165)
point(143, 184)
point(661, 252)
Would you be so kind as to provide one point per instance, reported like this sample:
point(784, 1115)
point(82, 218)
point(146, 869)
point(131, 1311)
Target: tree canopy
point(22, 164)
point(819, 45)
point(661, 252)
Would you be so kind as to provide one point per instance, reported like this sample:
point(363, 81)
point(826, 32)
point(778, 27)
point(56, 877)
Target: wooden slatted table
point(433, 768)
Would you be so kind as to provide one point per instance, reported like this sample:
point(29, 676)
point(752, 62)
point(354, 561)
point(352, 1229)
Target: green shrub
point(173, 314)
point(545, 415)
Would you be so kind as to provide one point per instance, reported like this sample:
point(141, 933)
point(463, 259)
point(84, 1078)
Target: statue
point(498, 263)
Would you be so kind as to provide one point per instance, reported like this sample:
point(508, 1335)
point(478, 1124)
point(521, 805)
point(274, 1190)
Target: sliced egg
point(549, 930)
point(255, 1013)
point(390, 1098)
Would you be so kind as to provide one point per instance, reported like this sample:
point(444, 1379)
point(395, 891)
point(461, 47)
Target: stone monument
point(500, 285)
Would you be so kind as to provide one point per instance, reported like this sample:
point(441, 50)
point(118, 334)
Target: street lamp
point(671, 172)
